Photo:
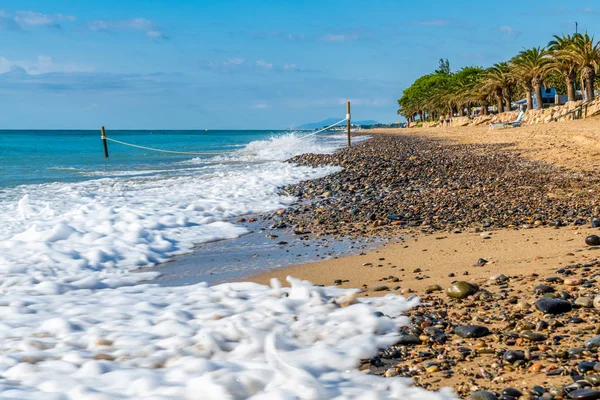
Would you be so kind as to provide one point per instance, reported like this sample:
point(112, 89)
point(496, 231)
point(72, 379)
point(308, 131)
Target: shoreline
point(268, 245)
point(432, 258)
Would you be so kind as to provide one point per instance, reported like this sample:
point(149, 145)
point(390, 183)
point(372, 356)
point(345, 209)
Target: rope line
point(208, 153)
point(193, 153)
point(324, 129)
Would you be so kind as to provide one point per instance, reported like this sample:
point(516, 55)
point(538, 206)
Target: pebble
point(498, 278)
point(592, 240)
point(512, 392)
point(533, 336)
point(585, 394)
point(461, 290)
point(553, 306)
point(593, 343)
point(407, 340)
point(585, 302)
point(572, 282)
point(381, 288)
point(513, 356)
point(543, 289)
point(433, 288)
point(482, 395)
point(471, 331)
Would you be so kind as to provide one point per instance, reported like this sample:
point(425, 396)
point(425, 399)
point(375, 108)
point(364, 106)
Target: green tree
point(584, 51)
point(530, 67)
point(444, 68)
point(564, 64)
point(498, 81)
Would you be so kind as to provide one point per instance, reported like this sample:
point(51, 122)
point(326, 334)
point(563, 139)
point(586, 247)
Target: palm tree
point(530, 67)
point(584, 52)
point(564, 64)
point(495, 80)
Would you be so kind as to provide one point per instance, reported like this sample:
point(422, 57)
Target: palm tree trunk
point(590, 77)
point(529, 96)
point(537, 85)
point(484, 108)
point(570, 79)
point(421, 115)
point(499, 100)
point(507, 98)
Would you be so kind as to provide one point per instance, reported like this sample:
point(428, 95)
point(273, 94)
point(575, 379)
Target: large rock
point(461, 290)
point(553, 306)
point(593, 343)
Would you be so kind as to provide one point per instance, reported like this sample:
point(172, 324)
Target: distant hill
point(329, 121)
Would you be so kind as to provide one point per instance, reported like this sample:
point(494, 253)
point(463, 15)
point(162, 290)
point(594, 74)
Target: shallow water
point(70, 215)
point(254, 253)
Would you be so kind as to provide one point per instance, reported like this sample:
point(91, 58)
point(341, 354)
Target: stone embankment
point(567, 112)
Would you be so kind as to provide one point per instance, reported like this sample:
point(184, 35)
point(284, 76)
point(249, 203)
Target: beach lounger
point(512, 124)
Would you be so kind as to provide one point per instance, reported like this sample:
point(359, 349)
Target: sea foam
point(231, 341)
point(70, 233)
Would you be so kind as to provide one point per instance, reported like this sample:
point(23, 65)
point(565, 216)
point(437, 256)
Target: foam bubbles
point(231, 341)
point(89, 234)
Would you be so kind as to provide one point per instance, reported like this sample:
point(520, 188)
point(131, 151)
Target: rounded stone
point(553, 306)
point(543, 289)
point(533, 336)
point(513, 356)
point(407, 340)
point(585, 366)
point(585, 394)
point(382, 288)
point(593, 343)
point(482, 395)
point(512, 392)
point(592, 240)
point(585, 302)
point(593, 379)
point(597, 301)
point(471, 331)
point(461, 290)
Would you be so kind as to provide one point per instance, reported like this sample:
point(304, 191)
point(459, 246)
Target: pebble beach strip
point(394, 182)
point(510, 337)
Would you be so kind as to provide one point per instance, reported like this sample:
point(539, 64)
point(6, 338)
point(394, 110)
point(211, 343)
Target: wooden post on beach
point(104, 141)
point(348, 117)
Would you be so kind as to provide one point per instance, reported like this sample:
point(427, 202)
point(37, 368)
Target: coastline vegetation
point(565, 63)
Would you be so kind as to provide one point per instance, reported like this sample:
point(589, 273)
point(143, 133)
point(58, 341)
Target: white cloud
point(260, 106)
point(509, 31)
point(227, 65)
point(433, 22)
point(24, 19)
point(41, 65)
point(35, 18)
point(264, 64)
point(133, 24)
point(276, 34)
point(289, 67)
point(338, 37)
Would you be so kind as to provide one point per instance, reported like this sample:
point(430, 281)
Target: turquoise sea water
point(34, 157)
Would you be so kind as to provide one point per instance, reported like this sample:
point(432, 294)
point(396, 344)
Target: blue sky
point(176, 64)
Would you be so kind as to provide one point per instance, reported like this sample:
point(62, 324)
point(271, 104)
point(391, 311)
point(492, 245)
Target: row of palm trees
point(573, 58)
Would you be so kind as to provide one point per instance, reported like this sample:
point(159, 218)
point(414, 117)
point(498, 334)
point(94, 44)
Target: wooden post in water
point(104, 141)
point(348, 117)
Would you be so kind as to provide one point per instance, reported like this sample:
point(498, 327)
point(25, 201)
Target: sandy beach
point(542, 254)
